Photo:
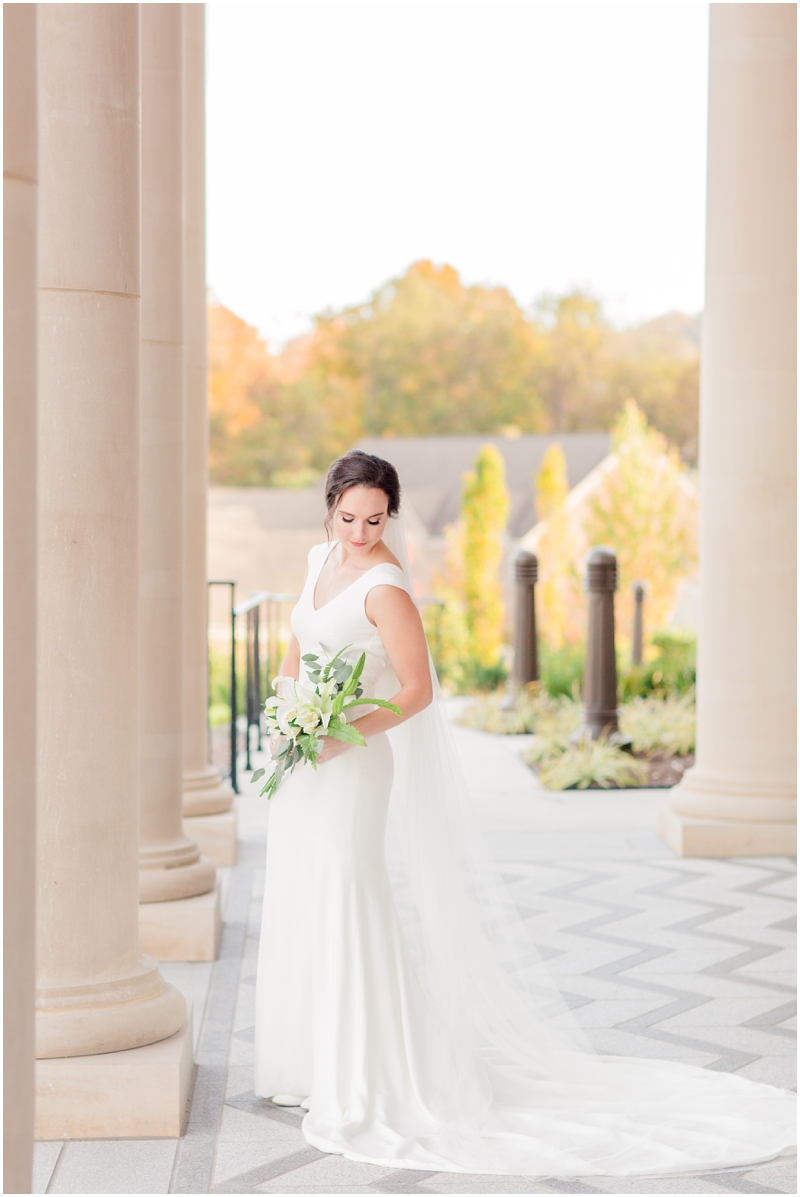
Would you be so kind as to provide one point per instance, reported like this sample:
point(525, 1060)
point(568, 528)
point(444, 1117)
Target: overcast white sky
point(537, 146)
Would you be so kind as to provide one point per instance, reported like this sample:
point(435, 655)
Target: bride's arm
point(290, 665)
point(398, 621)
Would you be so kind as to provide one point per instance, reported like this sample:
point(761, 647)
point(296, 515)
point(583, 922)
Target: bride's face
point(360, 519)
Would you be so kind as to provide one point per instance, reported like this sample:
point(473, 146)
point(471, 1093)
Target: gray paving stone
point(781, 1173)
point(245, 1015)
point(240, 1079)
point(193, 980)
point(195, 1156)
point(336, 1170)
point(115, 1166)
point(242, 1125)
point(457, 1182)
point(45, 1155)
point(725, 1012)
point(242, 1053)
point(772, 1070)
point(240, 1156)
point(282, 1186)
point(760, 1043)
point(599, 1013)
point(260, 1173)
point(680, 1185)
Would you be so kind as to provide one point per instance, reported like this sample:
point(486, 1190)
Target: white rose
point(307, 716)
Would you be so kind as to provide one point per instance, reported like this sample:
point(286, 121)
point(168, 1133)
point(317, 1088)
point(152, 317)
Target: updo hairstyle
point(357, 468)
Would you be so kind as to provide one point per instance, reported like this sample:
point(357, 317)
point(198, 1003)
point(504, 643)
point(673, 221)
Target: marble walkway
point(682, 959)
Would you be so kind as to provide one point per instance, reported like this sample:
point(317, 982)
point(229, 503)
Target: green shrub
point(219, 713)
point(673, 670)
point(561, 670)
point(219, 676)
point(483, 678)
point(219, 680)
point(660, 724)
point(592, 762)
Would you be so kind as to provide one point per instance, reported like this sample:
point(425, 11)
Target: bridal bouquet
point(304, 713)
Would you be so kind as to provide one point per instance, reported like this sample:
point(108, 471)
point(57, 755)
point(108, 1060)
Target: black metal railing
point(266, 636)
point(263, 655)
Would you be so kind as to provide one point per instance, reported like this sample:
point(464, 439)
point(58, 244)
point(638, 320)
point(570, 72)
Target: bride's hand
point(330, 749)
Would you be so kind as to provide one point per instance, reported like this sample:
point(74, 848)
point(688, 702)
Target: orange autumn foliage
point(430, 355)
point(237, 360)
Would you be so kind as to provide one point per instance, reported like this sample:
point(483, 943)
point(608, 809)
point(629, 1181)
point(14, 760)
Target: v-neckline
point(364, 573)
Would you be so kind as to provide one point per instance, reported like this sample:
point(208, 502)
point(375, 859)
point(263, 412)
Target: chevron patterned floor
point(689, 960)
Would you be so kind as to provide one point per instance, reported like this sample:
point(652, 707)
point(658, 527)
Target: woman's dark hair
point(357, 468)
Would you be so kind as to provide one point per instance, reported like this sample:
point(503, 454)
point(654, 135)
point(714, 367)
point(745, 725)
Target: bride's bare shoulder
point(388, 558)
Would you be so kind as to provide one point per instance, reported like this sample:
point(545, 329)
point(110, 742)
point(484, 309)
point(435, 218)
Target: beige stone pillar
point(96, 992)
point(170, 863)
point(740, 797)
point(205, 792)
point(19, 587)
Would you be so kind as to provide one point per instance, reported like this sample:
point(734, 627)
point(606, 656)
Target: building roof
point(431, 470)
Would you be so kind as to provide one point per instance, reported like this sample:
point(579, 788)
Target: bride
point(398, 996)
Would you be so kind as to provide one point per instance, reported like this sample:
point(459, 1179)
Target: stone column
point(19, 587)
point(205, 792)
point(739, 799)
point(97, 993)
point(170, 863)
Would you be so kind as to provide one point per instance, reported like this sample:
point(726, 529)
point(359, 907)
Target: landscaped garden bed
point(659, 728)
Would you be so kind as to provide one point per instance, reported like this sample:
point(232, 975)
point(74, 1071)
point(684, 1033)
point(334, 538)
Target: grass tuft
point(592, 762)
point(660, 725)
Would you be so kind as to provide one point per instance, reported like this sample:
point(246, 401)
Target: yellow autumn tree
point(559, 588)
point(646, 510)
point(485, 506)
point(446, 626)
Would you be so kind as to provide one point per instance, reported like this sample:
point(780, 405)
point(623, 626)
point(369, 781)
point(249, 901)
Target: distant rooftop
point(431, 469)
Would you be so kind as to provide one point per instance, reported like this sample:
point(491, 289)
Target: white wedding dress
point(439, 1064)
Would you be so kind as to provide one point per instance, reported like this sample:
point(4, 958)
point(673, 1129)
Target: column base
point(138, 1094)
point(149, 1011)
point(205, 792)
point(687, 836)
point(167, 885)
point(215, 836)
point(187, 929)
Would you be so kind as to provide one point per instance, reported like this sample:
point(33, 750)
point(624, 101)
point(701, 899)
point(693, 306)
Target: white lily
point(280, 709)
point(321, 703)
point(281, 684)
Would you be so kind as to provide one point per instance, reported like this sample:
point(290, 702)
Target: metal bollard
point(638, 624)
point(600, 714)
point(526, 656)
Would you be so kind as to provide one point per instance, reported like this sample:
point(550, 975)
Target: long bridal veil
point(476, 958)
point(530, 1095)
